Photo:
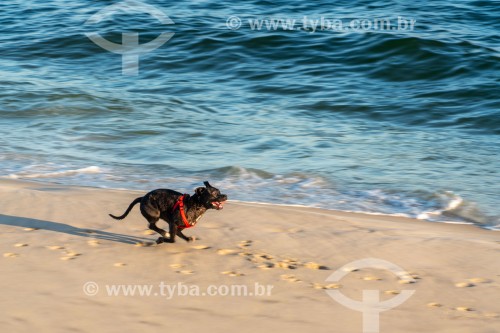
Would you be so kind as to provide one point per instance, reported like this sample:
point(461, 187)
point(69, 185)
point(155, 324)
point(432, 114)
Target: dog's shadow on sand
point(25, 222)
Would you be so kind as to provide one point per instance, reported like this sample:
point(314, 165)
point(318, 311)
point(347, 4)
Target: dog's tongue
point(218, 205)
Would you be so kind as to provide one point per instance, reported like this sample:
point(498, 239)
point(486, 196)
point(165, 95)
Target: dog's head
point(210, 197)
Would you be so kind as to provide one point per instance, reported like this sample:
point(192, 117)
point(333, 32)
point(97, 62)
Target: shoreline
point(55, 240)
point(337, 211)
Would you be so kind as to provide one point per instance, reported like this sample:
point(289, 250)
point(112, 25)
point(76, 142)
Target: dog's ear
point(207, 184)
point(199, 190)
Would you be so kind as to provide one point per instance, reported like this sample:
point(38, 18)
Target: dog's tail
point(135, 202)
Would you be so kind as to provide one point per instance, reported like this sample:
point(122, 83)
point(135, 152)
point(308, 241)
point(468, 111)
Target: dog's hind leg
point(154, 227)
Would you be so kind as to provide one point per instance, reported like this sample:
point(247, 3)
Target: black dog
point(179, 210)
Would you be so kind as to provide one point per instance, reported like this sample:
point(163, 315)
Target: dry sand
point(57, 239)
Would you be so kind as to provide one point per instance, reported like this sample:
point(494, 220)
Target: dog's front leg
point(173, 231)
point(181, 235)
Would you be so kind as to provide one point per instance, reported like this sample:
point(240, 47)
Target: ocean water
point(287, 102)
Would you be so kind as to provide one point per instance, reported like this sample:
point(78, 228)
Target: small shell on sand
point(463, 308)
point(30, 229)
point(200, 247)
point(73, 254)
point(119, 264)
point(232, 273)
point(55, 247)
point(434, 305)
point(314, 265)
point(20, 244)
point(67, 258)
point(464, 285)
point(176, 265)
point(10, 255)
point(392, 292)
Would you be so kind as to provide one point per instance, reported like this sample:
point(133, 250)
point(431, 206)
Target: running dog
point(179, 210)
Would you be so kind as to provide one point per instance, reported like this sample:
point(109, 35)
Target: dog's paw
point(191, 239)
point(164, 240)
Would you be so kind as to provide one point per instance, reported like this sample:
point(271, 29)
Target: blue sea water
point(395, 121)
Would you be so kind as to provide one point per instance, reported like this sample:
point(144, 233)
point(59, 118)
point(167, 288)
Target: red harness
point(180, 204)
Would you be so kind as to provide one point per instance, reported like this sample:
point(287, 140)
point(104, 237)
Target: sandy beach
point(62, 256)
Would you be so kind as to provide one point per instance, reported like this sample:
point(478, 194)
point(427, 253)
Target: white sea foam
point(56, 174)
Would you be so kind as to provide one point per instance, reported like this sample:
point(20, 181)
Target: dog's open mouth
point(218, 204)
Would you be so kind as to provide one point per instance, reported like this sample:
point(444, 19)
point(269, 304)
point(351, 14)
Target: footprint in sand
point(30, 229)
point(144, 244)
point(176, 265)
point(67, 258)
point(290, 278)
point(463, 308)
point(72, 254)
point(326, 286)
point(371, 278)
point(119, 264)
point(224, 252)
point(266, 265)
point(263, 256)
point(232, 273)
point(392, 292)
point(148, 232)
point(93, 242)
point(10, 255)
point(200, 247)
point(464, 285)
point(55, 247)
point(185, 272)
point(479, 280)
point(350, 269)
point(20, 245)
point(434, 305)
point(245, 243)
point(406, 281)
point(286, 265)
point(314, 265)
